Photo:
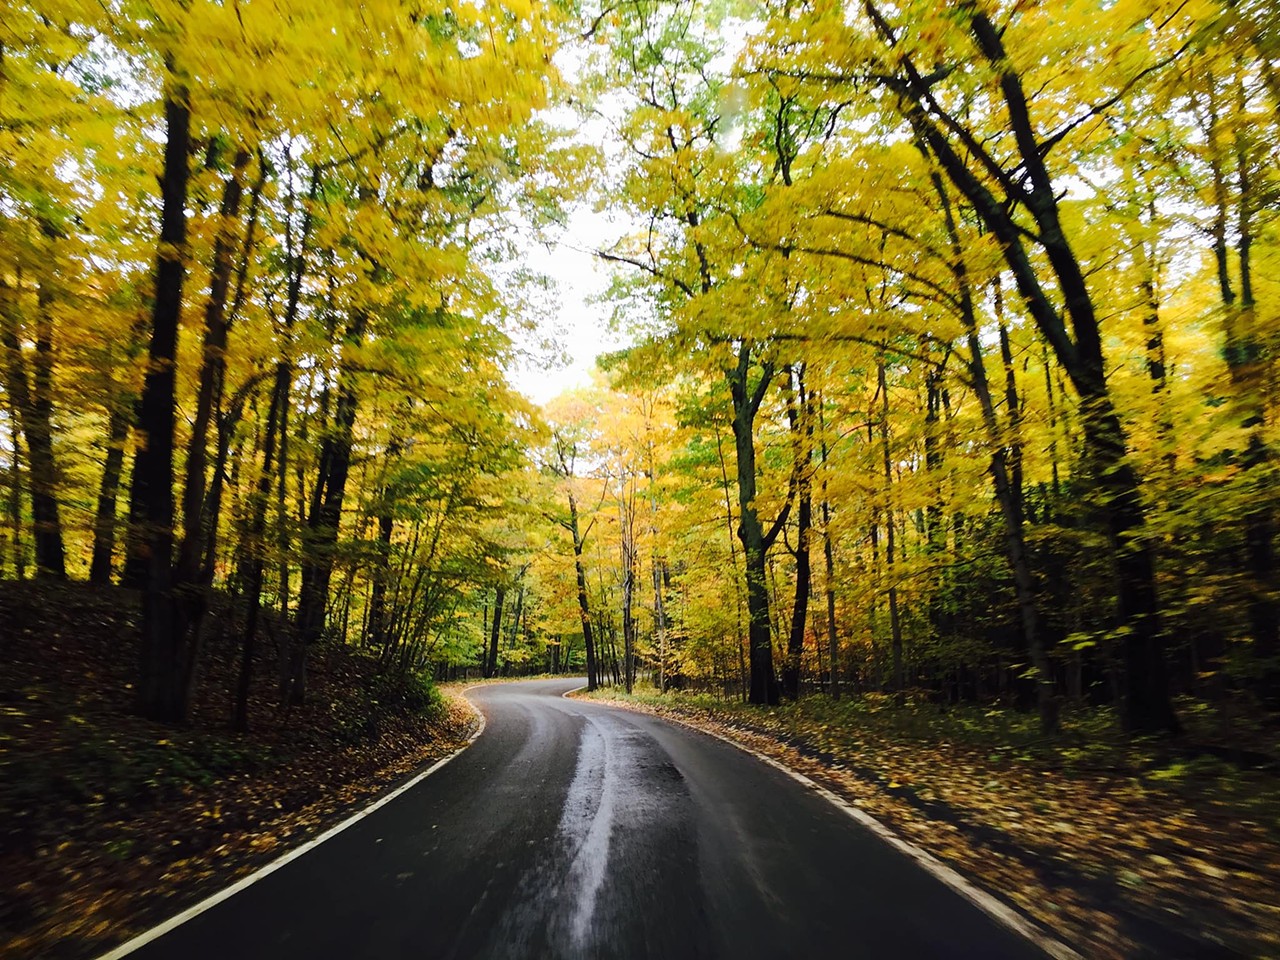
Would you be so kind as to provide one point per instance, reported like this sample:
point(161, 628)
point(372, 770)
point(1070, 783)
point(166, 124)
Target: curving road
point(571, 829)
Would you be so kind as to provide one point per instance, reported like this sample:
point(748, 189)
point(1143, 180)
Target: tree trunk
point(381, 576)
point(168, 656)
point(1147, 703)
point(190, 578)
point(1008, 491)
point(33, 406)
point(628, 527)
point(323, 522)
point(743, 675)
point(15, 499)
point(212, 376)
point(655, 559)
point(1013, 410)
point(1245, 352)
point(377, 633)
point(755, 541)
point(833, 636)
point(276, 418)
point(104, 524)
point(828, 553)
point(495, 629)
point(895, 622)
point(517, 618)
point(255, 536)
point(800, 418)
point(584, 608)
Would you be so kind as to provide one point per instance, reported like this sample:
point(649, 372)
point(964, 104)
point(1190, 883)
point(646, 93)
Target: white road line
point(208, 903)
point(994, 908)
point(588, 832)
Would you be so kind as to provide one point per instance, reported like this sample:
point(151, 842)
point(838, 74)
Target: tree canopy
point(952, 363)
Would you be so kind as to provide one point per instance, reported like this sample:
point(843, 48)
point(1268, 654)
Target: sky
point(579, 327)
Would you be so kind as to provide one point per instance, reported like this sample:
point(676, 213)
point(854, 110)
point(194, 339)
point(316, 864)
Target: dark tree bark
point(1013, 411)
point(895, 619)
point(15, 498)
point(828, 554)
point(1245, 352)
point(584, 608)
point(227, 422)
point(800, 419)
point(517, 619)
point(378, 592)
point(382, 571)
point(255, 534)
point(168, 657)
point(627, 531)
point(755, 540)
point(212, 377)
point(1008, 490)
point(33, 405)
point(495, 631)
point(188, 583)
point(323, 522)
point(104, 523)
point(253, 576)
point(1147, 705)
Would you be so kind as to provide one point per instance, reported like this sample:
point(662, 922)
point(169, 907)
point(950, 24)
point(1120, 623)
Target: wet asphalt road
point(573, 830)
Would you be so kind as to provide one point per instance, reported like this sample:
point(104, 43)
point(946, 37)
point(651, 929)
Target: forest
point(953, 342)
point(951, 369)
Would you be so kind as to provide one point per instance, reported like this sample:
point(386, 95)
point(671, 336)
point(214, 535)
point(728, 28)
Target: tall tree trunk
point(584, 608)
point(168, 657)
point(34, 408)
point(833, 636)
point(655, 560)
point(828, 554)
point(755, 541)
point(517, 619)
point(1244, 352)
point(381, 576)
point(800, 418)
point(895, 620)
point(1008, 492)
point(495, 630)
point(1013, 411)
point(743, 675)
point(254, 553)
point(255, 535)
point(104, 523)
point(212, 376)
point(377, 632)
point(1147, 703)
point(323, 524)
point(934, 528)
point(942, 589)
point(227, 423)
point(48, 520)
point(190, 578)
point(15, 498)
point(282, 384)
point(627, 520)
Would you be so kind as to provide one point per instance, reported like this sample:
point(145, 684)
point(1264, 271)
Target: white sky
point(580, 328)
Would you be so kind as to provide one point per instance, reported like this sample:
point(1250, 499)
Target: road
point(575, 830)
